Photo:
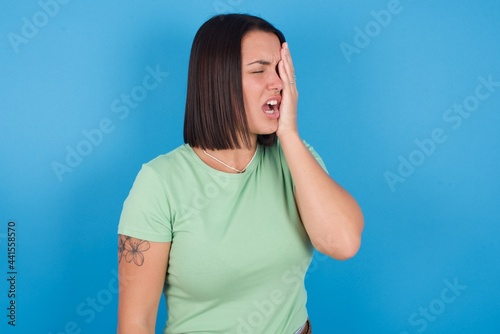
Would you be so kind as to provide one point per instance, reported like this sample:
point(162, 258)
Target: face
point(261, 52)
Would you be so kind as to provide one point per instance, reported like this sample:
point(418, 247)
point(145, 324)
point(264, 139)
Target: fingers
point(288, 107)
point(288, 72)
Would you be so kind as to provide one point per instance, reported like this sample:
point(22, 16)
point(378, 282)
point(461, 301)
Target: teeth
point(269, 112)
point(272, 103)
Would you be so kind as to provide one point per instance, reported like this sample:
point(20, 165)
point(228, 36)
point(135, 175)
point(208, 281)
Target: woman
point(222, 223)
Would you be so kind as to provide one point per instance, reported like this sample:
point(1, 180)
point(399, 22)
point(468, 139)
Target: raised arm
point(332, 218)
point(142, 268)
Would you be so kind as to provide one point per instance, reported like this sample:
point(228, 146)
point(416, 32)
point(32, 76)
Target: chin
point(269, 130)
point(266, 127)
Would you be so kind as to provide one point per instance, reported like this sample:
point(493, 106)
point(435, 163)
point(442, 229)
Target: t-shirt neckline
point(212, 170)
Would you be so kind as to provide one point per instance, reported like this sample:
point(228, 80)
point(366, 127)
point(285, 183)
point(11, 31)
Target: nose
point(275, 83)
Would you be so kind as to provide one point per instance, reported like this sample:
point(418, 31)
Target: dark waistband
point(307, 328)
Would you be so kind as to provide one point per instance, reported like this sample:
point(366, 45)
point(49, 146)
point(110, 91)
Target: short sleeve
point(146, 210)
point(316, 156)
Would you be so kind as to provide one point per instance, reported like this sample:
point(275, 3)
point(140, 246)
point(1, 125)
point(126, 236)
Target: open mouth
point(271, 107)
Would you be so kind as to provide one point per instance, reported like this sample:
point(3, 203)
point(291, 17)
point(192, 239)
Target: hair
point(215, 116)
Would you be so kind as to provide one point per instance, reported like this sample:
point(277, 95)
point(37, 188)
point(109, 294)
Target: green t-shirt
point(239, 250)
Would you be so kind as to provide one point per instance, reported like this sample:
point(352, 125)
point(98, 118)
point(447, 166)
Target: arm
point(142, 268)
point(332, 218)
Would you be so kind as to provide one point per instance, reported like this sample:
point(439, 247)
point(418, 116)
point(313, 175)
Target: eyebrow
point(261, 62)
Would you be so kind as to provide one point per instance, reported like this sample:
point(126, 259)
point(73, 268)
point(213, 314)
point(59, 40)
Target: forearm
point(331, 216)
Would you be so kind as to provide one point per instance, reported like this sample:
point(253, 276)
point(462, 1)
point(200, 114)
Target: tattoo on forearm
point(132, 249)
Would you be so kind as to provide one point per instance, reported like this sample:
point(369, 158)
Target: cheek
point(249, 98)
point(251, 85)
point(245, 91)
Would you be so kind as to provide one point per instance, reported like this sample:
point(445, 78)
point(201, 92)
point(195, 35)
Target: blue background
point(364, 110)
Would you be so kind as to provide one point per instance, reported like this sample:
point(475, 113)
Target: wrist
point(289, 136)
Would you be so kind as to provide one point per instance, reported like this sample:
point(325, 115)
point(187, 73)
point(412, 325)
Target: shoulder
point(177, 159)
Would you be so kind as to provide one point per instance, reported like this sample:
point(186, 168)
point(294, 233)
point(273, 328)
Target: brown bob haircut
point(215, 113)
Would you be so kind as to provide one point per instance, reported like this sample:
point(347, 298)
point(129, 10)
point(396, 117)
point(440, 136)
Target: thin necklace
point(231, 167)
